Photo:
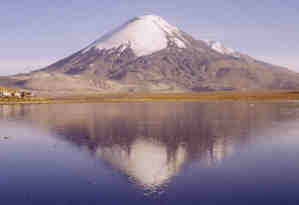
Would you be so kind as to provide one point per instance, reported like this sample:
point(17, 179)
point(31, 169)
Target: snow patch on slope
point(144, 35)
point(220, 48)
point(179, 43)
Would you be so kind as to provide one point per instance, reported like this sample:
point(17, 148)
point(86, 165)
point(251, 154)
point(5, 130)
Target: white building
point(17, 94)
point(6, 94)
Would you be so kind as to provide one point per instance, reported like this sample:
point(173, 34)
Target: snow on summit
point(144, 35)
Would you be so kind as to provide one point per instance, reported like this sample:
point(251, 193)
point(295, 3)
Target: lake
point(206, 153)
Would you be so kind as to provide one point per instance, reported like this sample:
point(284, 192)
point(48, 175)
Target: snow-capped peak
point(220, 48)
point(144, 35)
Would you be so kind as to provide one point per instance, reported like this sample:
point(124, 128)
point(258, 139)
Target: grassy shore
point(25, 100)
point(150, 97)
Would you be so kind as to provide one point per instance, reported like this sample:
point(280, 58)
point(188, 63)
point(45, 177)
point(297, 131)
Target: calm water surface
point(150, 153)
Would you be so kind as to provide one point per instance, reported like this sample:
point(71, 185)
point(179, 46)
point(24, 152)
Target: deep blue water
point(150, 153)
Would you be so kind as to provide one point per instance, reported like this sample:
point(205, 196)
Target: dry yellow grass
point(25, 100)
point(217, 95)
point(149, 97)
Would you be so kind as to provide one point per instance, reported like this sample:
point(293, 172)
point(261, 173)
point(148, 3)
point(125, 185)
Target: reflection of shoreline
point(173, 134)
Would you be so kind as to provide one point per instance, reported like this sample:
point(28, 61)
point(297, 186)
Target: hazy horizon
point(37, 33)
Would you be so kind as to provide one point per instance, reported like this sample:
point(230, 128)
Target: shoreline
point(159, 97)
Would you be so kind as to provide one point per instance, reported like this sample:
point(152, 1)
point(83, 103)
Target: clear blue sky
point(35, 33)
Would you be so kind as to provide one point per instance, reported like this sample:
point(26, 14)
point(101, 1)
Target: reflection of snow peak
point(148, 163)
point(144, 35)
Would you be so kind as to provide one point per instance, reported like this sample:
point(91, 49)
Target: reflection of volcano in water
point(151, 142)
point(147, 162)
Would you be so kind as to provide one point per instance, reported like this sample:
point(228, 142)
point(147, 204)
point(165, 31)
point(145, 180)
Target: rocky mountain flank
point(149, 54)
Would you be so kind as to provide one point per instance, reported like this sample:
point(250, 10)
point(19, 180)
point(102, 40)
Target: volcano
point(149, 54)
